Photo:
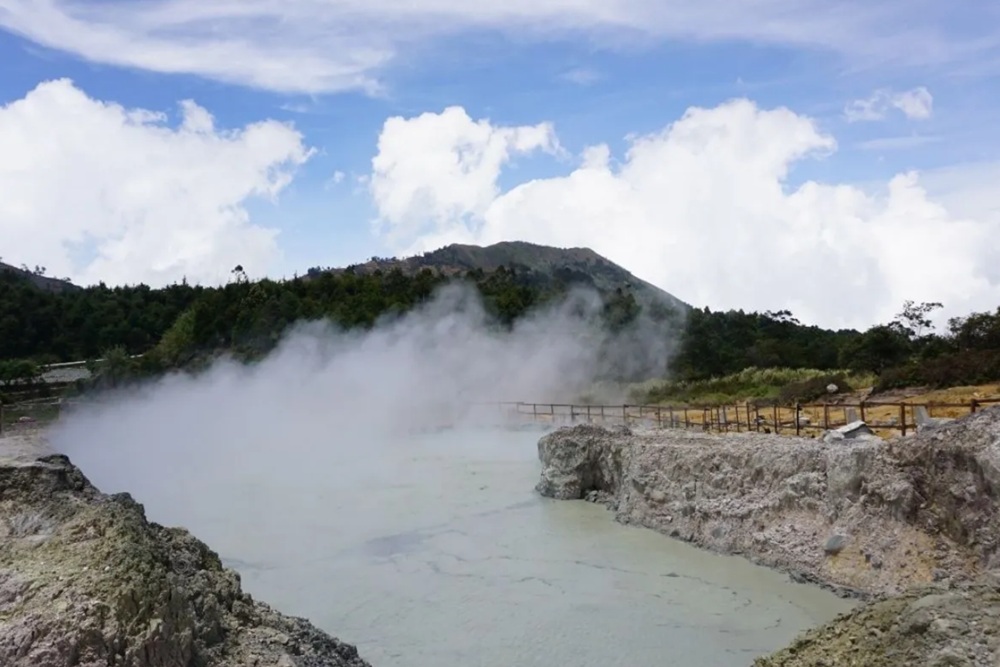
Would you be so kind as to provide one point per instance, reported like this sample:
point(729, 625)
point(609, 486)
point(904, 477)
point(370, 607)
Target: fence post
point(777, 427)
point(902, 417)
point(798, 414)
point(861, 406)
point(756, 415)
point(659, 417)
point(589, 420)
point(974, 405)
point(670, 414)
point(826, 415)
point(687, 424)
point(739, 423)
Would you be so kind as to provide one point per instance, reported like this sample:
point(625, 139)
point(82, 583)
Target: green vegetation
point(785, 385)
point(184, 326)
point(718, 356)
point(19, 373)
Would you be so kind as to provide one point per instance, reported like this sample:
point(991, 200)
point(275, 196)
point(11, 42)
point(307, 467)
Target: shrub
point(785, 385)
point(812, 389)
point(970, 367)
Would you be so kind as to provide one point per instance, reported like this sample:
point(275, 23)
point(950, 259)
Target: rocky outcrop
point(862, 516)
point(86, 580)
point(936, 626)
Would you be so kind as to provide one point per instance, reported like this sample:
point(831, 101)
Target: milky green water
point(437, 552)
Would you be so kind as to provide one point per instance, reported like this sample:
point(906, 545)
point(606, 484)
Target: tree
point(881, 347)
point(914, 320)
point(978, 331)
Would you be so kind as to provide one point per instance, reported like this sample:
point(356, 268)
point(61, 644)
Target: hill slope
point(537, 264)
point(41, 282)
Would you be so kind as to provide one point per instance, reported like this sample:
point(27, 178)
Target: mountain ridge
point(534, 262)
point(42, 282)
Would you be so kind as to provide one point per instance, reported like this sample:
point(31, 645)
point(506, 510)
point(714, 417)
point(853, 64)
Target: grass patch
point(40, 413)
point(783, 385)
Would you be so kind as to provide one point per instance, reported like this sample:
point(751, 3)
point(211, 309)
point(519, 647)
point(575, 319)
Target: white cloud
point(152, 202)
point(326, 45)
point(581, 76)
point(898, 143)
point(704, 209)
point(916, 104)
point(440, 168)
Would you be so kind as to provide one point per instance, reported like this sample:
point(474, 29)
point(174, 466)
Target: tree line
point(183, 324)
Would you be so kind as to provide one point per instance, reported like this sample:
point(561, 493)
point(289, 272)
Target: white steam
point(337, 398)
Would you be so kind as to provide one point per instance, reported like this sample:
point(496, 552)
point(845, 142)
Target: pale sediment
point(863, 517)
point(86, 580)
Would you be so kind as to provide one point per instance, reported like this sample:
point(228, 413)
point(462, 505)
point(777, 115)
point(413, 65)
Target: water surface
point(437, 551)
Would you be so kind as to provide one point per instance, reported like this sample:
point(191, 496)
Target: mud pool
point(437, 551)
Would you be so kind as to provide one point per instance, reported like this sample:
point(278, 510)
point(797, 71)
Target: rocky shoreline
point(910, 519)
point(86, 580)
point(910, 526)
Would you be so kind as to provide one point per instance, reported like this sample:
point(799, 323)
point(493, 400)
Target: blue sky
point(595, 73)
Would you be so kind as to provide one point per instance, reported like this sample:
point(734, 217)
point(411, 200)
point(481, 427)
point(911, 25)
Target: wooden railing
point(800, 419)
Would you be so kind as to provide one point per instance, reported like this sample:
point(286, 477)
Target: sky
point(834, 158)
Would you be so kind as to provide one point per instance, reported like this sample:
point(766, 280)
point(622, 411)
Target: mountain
point(535, 264)
point(44, 283)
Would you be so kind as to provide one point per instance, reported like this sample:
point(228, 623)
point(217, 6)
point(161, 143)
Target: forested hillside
point(181, 324)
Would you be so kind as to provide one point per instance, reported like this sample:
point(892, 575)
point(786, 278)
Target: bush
point(970, 367)
point(19, 372)
point(810, 390)
point(785, 385)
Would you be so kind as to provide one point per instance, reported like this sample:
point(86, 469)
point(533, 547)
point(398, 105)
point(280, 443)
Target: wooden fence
point(881, 416)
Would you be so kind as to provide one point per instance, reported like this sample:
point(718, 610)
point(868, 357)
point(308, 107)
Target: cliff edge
point(910, 524)
point(862, 516)
point(86, 580)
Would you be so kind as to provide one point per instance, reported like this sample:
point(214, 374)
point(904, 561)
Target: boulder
point(86, 580)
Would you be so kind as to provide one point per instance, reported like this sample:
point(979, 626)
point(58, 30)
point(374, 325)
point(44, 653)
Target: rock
point(85, 579)
point(832, 436)
point(926, 625)
point(856, 429)
point(918, 509)
point(835, 544)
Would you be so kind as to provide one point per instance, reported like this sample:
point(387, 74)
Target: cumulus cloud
point(325, 45)
point(95, 191)
point(706, 209)
point(442, 168)
point(915, 104)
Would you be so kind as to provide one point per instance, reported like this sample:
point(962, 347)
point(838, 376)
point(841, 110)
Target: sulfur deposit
point(86, 580)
